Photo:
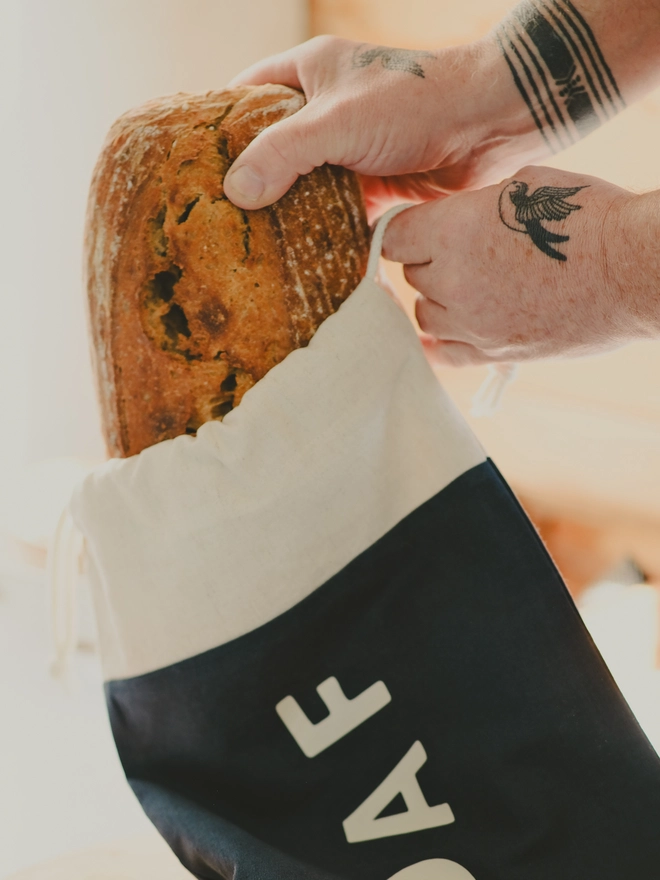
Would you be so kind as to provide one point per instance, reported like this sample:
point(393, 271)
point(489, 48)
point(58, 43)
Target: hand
point(414, 124)
point(538, 266)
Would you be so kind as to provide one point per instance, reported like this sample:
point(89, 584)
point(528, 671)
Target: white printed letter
point(363, 824)
point(434, 869)
point(345, 715)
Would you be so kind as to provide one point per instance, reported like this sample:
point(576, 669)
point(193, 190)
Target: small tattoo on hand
point(523, 213)
point(392, 59)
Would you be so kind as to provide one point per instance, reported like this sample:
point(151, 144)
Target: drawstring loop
point(377, 238)
point(488, 399)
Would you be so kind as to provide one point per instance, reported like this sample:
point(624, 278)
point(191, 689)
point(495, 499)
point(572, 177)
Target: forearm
point(417, 124)
point(577, 63)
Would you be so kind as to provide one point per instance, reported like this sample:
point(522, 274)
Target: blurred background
point(579, 441)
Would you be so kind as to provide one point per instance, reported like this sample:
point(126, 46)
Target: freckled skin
point(488, 293)
point(418, 126)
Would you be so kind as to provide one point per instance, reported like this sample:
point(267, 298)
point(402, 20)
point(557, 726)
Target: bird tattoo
point(523, 213)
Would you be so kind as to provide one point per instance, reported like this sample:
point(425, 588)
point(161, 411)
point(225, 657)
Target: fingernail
point(246, 183)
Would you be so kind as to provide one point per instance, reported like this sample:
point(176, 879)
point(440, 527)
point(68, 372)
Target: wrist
point(496, 133)
point(633, 229)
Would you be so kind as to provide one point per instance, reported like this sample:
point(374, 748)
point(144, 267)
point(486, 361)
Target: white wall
point(68, 69)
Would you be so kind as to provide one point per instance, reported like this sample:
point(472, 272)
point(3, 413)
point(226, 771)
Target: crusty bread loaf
point(191, 299)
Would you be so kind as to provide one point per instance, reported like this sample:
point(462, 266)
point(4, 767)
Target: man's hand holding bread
point(542, 264)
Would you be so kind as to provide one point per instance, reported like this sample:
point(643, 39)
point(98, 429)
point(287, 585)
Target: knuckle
point(457, 355)
point(411, 274)
point(283, 137)
point(422, 314)
point(390, 243)
point(277, 152)
point(275, 140)
point(323, 43)
point(525, 171)
point(423, 323)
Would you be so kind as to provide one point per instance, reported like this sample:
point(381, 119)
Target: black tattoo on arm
point(559, 70)
point(392, 59)
point(522, 212)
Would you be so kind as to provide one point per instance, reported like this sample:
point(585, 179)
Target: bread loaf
point(191, 299)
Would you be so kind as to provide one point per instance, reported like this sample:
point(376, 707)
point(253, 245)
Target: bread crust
point(192, 300)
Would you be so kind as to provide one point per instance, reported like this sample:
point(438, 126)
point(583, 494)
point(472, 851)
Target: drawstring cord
point(377, 238)
point(488, 398)
point(63, 562)
point(67, 544)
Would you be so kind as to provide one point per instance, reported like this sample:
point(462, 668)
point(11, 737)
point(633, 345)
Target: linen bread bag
point(334, 647)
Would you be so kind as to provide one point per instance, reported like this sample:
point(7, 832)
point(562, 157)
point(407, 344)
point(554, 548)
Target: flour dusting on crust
point(191, 299)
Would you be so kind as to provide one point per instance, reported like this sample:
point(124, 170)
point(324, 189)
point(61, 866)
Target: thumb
point(282, 68)
point(275, 159)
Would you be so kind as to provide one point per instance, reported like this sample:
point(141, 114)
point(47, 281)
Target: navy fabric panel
point(462, 615)
point(211, 847)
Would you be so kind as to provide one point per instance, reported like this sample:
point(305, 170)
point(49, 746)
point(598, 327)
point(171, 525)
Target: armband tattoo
point(559, 70)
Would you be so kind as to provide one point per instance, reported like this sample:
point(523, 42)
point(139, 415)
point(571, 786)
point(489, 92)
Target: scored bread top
point(191, 299)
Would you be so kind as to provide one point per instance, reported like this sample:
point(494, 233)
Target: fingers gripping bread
point(191, 299)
